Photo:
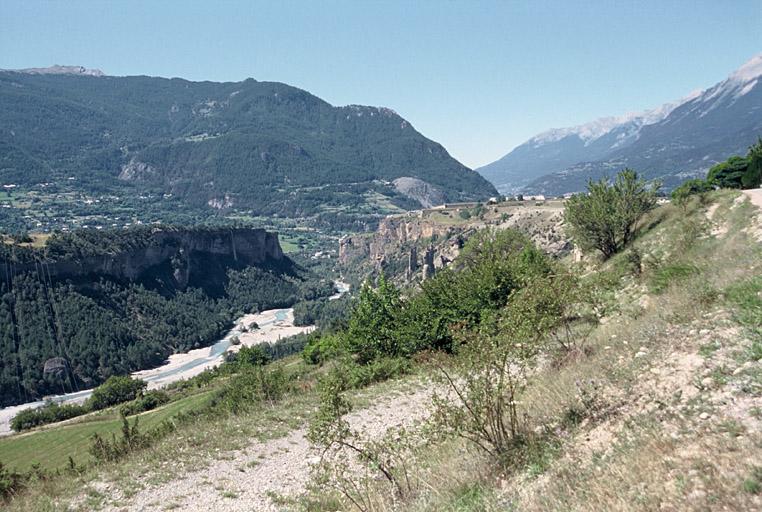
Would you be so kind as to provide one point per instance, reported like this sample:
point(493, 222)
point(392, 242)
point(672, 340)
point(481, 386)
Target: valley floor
point(666, 393)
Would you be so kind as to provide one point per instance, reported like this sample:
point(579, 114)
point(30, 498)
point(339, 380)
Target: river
point(274, 324)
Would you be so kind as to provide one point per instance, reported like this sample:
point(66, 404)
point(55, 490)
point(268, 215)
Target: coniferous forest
point(62, 333)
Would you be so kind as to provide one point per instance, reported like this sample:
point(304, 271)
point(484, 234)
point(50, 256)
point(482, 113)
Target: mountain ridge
point(58, 69)
point(267, 147)
point(560, 160)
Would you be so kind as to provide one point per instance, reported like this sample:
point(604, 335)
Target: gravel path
point(278, 467)
point(755, 195)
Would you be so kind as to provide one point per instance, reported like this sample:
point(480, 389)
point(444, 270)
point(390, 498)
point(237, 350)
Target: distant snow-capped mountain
point(678, 140)
point(62, 70)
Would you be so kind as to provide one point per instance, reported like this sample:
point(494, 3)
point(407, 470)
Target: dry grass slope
point(659, 409)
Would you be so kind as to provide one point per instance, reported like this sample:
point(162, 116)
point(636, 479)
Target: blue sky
point(480, 77)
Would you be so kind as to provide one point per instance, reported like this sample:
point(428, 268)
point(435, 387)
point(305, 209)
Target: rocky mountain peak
point(63, 70)
point(750, 70)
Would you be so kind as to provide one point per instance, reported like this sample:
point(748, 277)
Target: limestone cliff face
point(180, 253)
point(392, 233)
point(413, 246)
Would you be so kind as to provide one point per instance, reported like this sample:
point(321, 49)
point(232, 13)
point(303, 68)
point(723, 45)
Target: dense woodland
point(68, 334)
point(264, 146)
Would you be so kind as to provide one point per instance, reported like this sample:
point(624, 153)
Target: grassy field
point(289, 245)
point(52, 447)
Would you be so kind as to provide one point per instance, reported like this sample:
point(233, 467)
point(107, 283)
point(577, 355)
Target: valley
point(145, 294)
point(127, 150)
point(272, 326)
point(663, 381)
point(267, 256)
point(673, 142)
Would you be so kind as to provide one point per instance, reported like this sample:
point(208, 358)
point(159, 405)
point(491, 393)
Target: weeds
point(668, 274)
point(753, 484)
point(342, 449)
point(11, 482)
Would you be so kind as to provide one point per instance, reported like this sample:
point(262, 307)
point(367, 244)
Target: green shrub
point(605, 217)
point(104, 450)
point(752, 178)
point(320, 348)
point(666, 275)
point(251, 356)
point(728, 174)
point(10, 482)
point(487, 377)
point(371, 331)
point(116, 390)
point(492, 265)
point(252, 386)
point(378, 370)
point(342, 449)
point(689, 188)
point(48, 413)
point(148, 401)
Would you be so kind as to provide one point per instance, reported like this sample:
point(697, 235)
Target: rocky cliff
point(167, 258)
point(414, 245)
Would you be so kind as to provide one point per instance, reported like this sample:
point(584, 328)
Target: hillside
point(676, 141)
point(265, 148)
point(651, 403)
point(83, 306)
point(412, 247)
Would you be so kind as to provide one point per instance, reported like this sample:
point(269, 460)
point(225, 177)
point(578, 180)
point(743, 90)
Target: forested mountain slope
point(92, 304)
point(266, 146)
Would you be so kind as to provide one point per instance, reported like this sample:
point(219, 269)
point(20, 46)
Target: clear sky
point(480, 77)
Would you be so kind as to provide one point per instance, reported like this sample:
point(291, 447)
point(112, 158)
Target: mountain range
point(674, 142)
point(266, 147)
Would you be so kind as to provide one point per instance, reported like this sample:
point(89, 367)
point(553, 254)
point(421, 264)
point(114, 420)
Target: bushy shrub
point(251, 356)
point(10, 482)
point(320, 348)
point(492, 265)
point(324, 313)
point(371, 331)
point(252, 386)
point(342, 449)
point(148, 401)
point(728, 174)
point(104, 450)
point(48, 413)
point(378, 370)
point(481, 386)
point(488, 375)
point(752, 178)
point(689, 188)
point(116, 390)
point(737, 171)
point(605, 217)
